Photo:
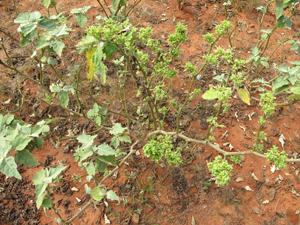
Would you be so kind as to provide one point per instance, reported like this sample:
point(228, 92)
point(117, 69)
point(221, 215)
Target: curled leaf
point(244, 95)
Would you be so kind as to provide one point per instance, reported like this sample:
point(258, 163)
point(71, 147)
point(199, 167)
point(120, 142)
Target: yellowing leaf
point(90, 65)
point(244, 95)
point(91, 72)
point(210, 94)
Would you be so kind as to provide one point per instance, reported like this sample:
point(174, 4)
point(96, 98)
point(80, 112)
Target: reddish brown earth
point(157, 193)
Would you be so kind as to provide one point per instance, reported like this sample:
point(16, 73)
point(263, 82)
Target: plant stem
point(77, 84)
point(107, 7)
point(41, 68)
point(257, 135)
point(56, 73)
point(103, 9)
point(216, 147)
point(129, 11)
point(8, 35)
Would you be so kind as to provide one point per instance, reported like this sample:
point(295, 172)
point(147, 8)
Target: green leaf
point(68, 88)
point(47, 24)
point(39, 142)
point(262, 9)
point(48, 121)
point(297, 63)
point(54, 88)
point(40, 194)
point(86, 42)
point(103, 111)
point(117, 129)
point(41, 43)
point(293, 96)
point(264, 37)
point(26, 158)
point(38, 177)
point(21, 142)
point(293, 70)
point(47, 203)
point(98, 193)
point(210, 94)
point(279, 82)
point(125, 138)
point(250, 58)
point(43, 59)
point(288, 22)
point(8, 119)
point(100, 68)
point(115, 141)
point(293, 80)
point(46, 3)
point(281, 22)
point(296, 90)
point(64, 98)
point(60, 31)
point(81, 19)
point(32, 35)
point(111, 195)
point(110, 159)
point(41, 127)
point(115, 3)
point(27, 17)
point(90, 169)
point(28, 28)
point(8, 167)
point(265, 64)
point(109, 49)
point(81, 10)
point(4, 152)
point(286, 3)
point(255, 51)
point(86, 139)
point(91, 113)
point(98, 120)
point(294, 46)
point(278, 10)
point(283, 69)
point(281, 89)
point(100, 166)
point(57, 46)
point(105, 149)
point(85, 154)
point(53, 3)
point(267, 31)
point(54, 172)
point(51, 61)
point(244, 95)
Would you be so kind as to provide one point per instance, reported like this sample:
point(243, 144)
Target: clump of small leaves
point(267, 103)
point(220, 169)
point(236, 159)
point(163, 147)
point(276, 157)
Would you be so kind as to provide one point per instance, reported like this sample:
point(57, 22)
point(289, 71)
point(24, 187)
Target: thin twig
point(218, 149)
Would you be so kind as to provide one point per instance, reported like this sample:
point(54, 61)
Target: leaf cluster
point(221, 169)
point(16, 135)
point(163, 147)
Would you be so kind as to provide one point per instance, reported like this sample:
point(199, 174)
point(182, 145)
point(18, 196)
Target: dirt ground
point(153, 193)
